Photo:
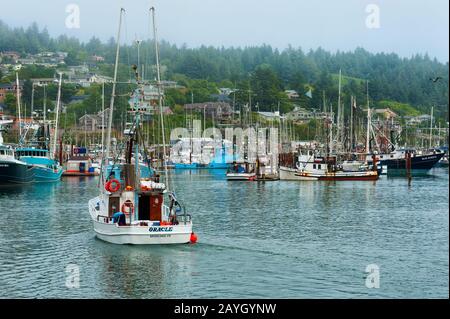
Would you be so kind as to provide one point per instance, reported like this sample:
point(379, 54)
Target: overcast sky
point(406, 27)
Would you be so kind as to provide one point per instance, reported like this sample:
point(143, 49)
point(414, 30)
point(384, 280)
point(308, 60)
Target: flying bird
point(435, 79)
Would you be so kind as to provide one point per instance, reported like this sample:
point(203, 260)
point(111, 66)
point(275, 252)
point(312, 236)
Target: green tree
point(266, 86)
point(11, 103)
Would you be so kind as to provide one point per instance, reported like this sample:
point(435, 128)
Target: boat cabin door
point(156, 202)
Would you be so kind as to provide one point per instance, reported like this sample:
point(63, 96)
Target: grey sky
point(406, 26)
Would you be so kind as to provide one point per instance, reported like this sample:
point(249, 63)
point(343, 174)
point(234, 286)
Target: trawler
point(133, 212)
point(312, 167)
point(12, 171)
point(397, 159)
point(38, 153)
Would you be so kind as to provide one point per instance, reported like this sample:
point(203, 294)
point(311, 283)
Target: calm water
point(261, 240)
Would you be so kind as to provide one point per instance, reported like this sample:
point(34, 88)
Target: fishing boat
point(397, 159)
point(38, 153)
point(12, 171)
point(242, 171)
point(133, 212)
point(312, 167)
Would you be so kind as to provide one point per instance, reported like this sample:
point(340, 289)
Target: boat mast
point(439, 135)
point(113, 93)
point(32, 100)
point(58, 103)
point(331, 128)
point(103, 118)
point(18, 107)
point(368, 119)
point(431, 127)
point(339, 111)
point(45, 103)
point(158, 73)
point(352, 105)
point(191, 126)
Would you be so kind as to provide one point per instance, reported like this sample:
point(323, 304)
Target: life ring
point(112, 186)
point(127, 207)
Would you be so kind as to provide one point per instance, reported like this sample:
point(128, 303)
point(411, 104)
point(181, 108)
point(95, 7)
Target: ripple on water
point(260, 240)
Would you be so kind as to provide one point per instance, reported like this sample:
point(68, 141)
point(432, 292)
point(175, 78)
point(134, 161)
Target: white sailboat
point(134, 212)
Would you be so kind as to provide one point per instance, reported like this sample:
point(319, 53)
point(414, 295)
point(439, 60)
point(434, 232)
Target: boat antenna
point(158, 74)
point(113, 93)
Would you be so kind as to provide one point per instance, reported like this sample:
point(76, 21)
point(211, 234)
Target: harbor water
point(256, 240)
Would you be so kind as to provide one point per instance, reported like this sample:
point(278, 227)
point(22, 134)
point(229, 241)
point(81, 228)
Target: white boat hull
point(290, 174)
point(240, 176)
point(141, 235)
point(139, 232)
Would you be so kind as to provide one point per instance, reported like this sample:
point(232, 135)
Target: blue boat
point(221, 160)
point(187, 166)
point(45, 168)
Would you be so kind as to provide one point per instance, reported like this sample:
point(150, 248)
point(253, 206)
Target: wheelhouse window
point(314, 166)
point(320, 166)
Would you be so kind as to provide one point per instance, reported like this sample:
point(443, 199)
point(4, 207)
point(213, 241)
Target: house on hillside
point(9, 88)
point(300, 114)
point(218, 110)
point(291, 94)
point(93, 122)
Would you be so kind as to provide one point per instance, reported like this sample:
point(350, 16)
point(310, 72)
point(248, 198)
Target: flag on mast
point(309, 93)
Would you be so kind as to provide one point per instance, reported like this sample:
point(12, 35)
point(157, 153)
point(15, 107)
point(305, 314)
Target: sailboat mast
point(339, 108)
point(58, 104)
point(368, 119)
point(351, 123)
point(158, 73)
point(431, 127)
point(331, 128)
point(103, 117)
point(113, 93)
point(18, 106)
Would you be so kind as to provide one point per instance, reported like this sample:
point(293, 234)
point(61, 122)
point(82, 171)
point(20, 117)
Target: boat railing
point(166, 212)
point(104, 219)
point(182, 218)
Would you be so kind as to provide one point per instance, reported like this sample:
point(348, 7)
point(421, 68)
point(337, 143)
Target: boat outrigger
point(133, 212)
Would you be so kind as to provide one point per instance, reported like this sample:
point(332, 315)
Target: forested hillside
point(266, 71)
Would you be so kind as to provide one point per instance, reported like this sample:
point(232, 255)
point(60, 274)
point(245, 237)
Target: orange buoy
point(193, 238)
